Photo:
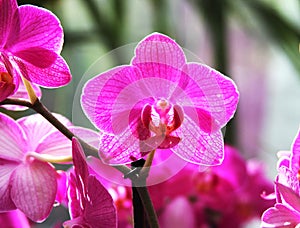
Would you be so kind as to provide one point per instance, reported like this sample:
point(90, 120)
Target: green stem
point(143, 192)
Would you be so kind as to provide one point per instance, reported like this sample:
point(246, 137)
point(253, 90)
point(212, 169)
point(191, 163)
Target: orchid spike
point(160, 101)
point(90, 204)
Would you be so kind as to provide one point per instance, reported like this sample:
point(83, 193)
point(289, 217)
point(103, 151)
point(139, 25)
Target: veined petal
point(280, 216)
point(34, 189)
point(74, 197)
point(119, 149)
point(80, 165)
point(159, 80)
point(37, 127)
point(56, 75)
point(12, 140)
point(158, 48)
point(289, 196)
point(8, 8)
point(35, 27)
point(37, 56)
point(209, 90)
point(198, 146)
point(109, 97)
point(99, 210)
point(6, 169)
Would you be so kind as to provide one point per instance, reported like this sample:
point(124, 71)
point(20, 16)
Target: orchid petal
point(99, 210)
point(37, 128)
point(107, 172)
point(6, 169)
point(119, 149)
point(55, 144)
point(80, 166)
point(8, 8)
point(198, 146)
point(289, 196)
point(74, 205)
point(61, 194)
point(108, 98)
point(159, 80)
point(37, 56)
point(14, 219)
point(56, 75)
point(35, 27)
point(280, 216)
point(211, 91)
point(34, 189)
point(12, 140)
point(158, 48)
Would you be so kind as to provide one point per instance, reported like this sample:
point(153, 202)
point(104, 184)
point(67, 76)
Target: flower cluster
point(159, 107)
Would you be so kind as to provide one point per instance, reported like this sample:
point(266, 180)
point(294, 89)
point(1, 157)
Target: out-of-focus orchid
point(31, 40)
point(90, 204)
point(160, 101)
point(286, 212)
point(228, 195)
point(28, 182)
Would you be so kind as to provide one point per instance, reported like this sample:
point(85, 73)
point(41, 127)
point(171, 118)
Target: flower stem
point(136, 181)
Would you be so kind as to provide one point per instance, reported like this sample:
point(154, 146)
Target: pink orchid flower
point(285, 214)
point(28, 182)
point(160, 101)
point(289, 166)
point(31, 40)
point(90, 204)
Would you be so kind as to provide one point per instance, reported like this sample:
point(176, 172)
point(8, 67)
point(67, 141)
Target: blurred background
point(255, 42)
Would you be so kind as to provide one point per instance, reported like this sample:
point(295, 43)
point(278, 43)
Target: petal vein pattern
point(160, 101)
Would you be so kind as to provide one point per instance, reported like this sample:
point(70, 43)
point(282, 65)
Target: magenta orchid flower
point(285, 214)
point(31, 40)
point(28, 182)
point(289, 166)
point(160, 101)
point(90, 204)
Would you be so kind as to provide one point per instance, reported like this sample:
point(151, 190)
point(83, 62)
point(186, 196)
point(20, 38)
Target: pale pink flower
point(28, 182)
